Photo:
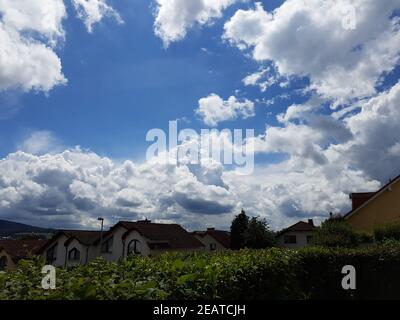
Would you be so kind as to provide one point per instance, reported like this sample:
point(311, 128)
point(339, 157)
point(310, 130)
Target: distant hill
point(9, 228)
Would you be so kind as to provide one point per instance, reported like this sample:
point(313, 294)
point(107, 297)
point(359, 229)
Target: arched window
point(134, 247)
point(74, 254)
point(3, 263)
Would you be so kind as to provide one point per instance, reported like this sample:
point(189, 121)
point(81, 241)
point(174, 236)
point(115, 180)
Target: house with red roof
point(214, 240)
point(11, 251)
point(71, 247)
point(146, 238)
point(296, 236)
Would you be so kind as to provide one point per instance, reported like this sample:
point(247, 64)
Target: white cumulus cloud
point(313, 39)
point(325, 159)
point(263, 79)
point(73, 187)
point(175, 17)
point(26, 63)
point(213, 109)
point(44, 17)
point(93, 11)
point(30, 32)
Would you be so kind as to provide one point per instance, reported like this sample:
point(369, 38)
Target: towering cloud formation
point(326, 160)
point(324, 154)
point(72, 187)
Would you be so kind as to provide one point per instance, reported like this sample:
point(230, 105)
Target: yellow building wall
point(382, 210)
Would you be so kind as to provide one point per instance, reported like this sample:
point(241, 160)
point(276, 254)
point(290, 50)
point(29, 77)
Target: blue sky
point(123, 82)
point(325, 124)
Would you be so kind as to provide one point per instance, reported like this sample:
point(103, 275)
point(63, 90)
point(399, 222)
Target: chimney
point(211, 229)
point(311, 222)
point(145, 221)
point(358, 199)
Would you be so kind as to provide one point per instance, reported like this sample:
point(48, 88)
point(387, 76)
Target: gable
point(118, 229)
point(59, 238)
point(219, 236)
point(382, 208)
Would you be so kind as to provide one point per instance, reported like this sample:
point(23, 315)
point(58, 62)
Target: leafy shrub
point(388, 232)
point(311, 273)
point(335, 234)
point(364, 238)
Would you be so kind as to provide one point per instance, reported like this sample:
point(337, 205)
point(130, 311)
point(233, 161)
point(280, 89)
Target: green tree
point(250, 233)
point(239, 227)
point(335, 233)
point(259, 235)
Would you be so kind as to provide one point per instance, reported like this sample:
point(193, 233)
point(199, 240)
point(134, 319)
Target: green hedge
point(377, 269)
point(335, 233)
point(313, 273)
point(389, 231)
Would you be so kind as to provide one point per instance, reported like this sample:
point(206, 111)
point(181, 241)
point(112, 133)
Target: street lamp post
point(101, 232)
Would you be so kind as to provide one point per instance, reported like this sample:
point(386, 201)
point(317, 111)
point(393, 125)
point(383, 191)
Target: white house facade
point(71, 247)
point(298, 235)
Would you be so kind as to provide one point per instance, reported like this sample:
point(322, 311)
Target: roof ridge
point(149, 222)
point(75, 230)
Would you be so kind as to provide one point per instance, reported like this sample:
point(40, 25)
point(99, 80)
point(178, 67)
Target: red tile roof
point(300, 226)
point(223, 237)
point(173, 234)
point(125, 224)
point(20, 249)
point(84, 237)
